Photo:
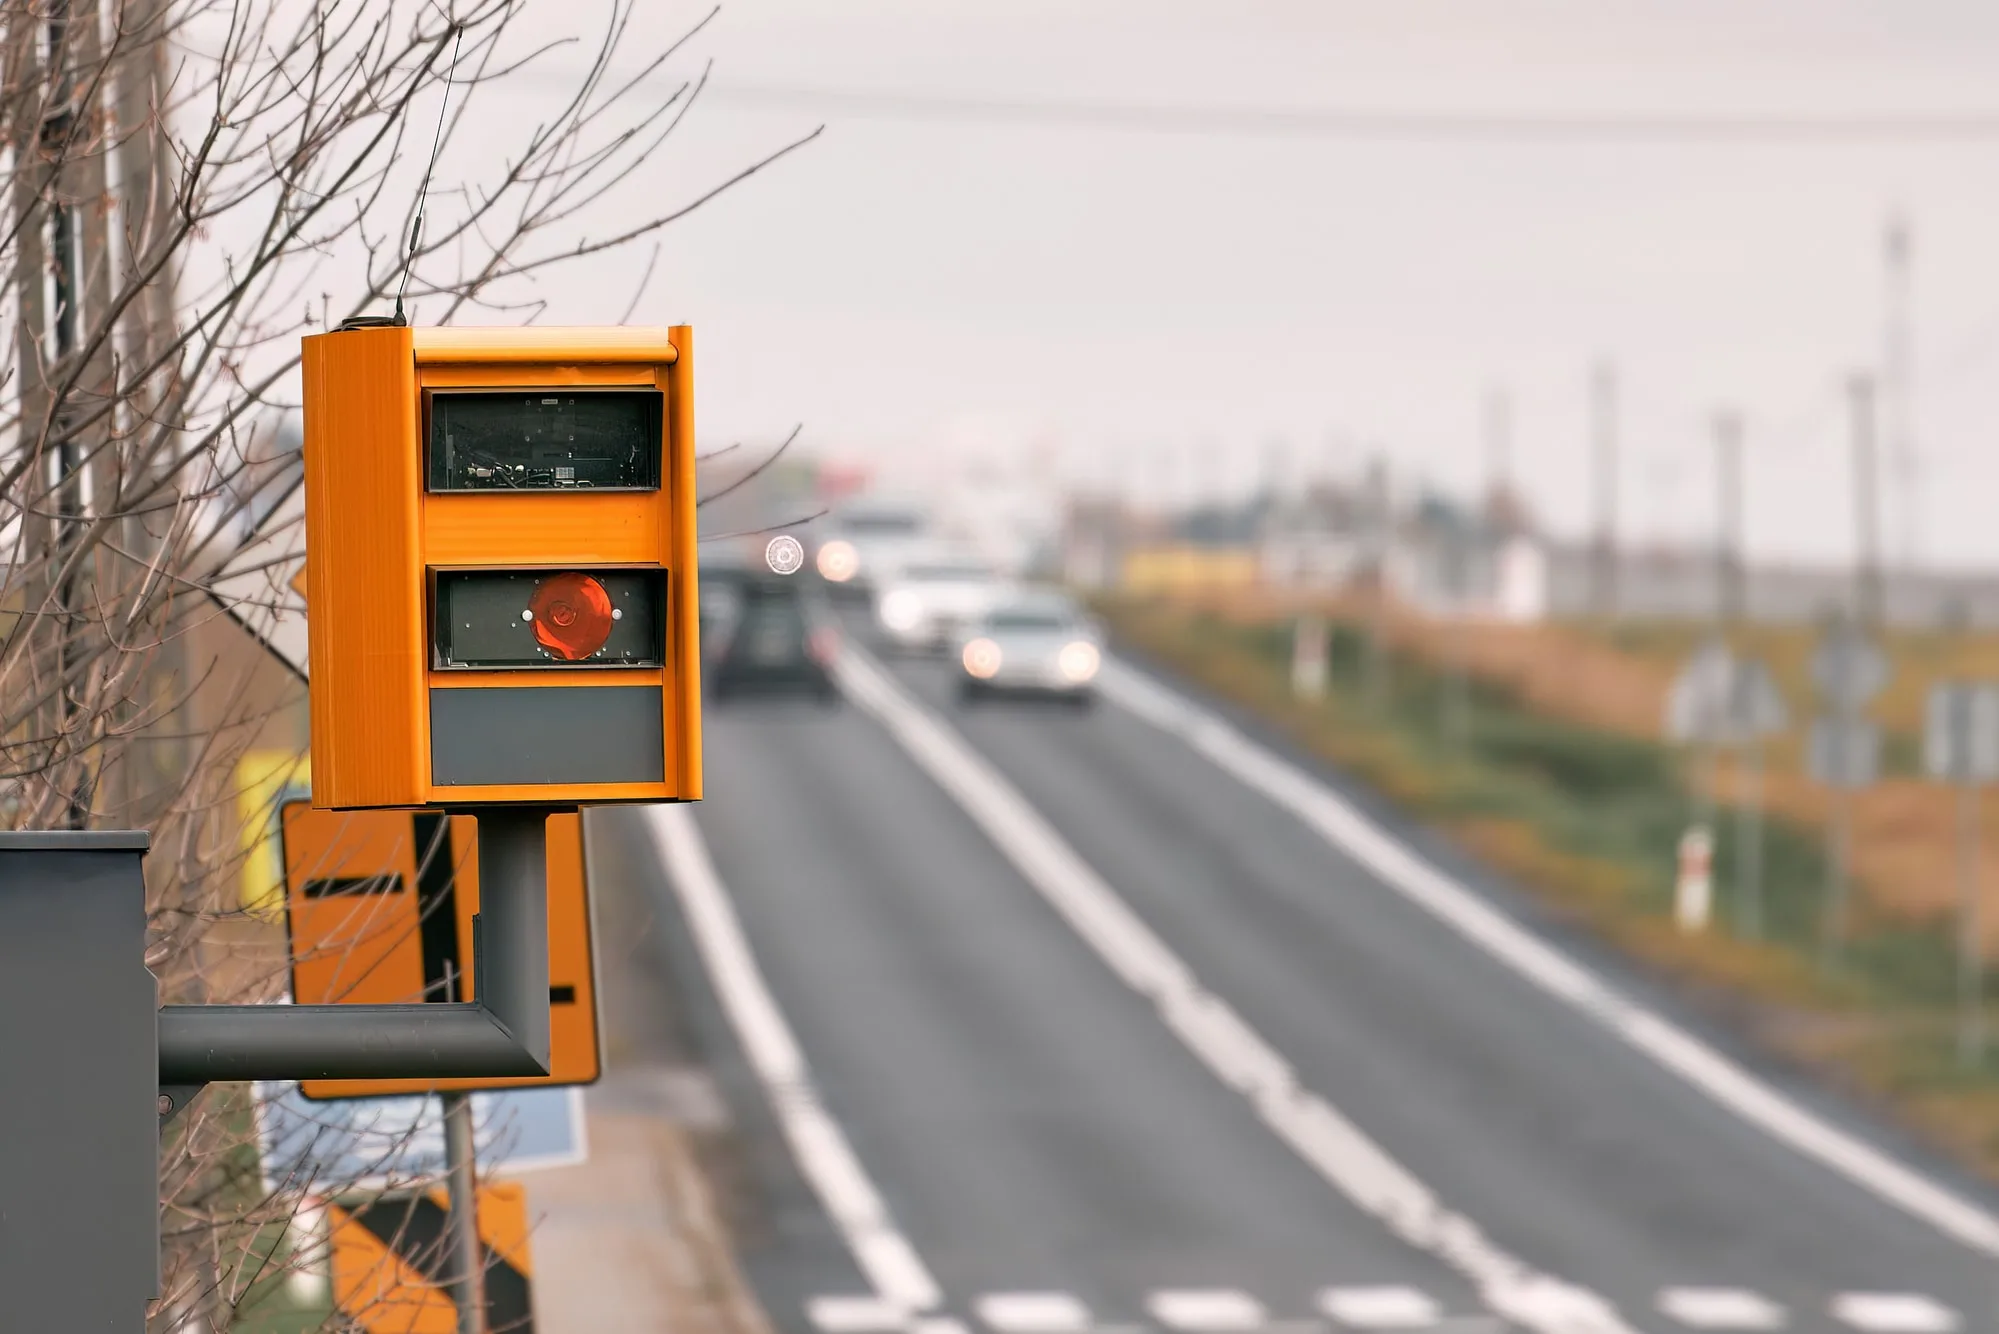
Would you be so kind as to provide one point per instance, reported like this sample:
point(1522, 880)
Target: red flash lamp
point(571, 616)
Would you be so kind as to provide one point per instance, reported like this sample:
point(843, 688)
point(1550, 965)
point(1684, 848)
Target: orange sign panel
point(392, 1258)
point(380, 905)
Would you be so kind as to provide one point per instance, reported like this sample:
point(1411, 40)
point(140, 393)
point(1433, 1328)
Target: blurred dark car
point(767, 634)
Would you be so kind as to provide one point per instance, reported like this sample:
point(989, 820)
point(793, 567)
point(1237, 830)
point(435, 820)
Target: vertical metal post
point(1866, 507)
point(512, 970)
point(1381, 540)
point(1603, 453)
point(1749, 838)
point(1729, 591)
point(1970, 948)
point(1839, 843)
point(1898, 388)
point(468, 1253)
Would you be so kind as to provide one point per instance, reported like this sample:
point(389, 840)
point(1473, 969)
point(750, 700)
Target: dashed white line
point(1033, 1312)
point(1340, 824)
point(1202, 1310)
point(1894, 1313)
point(1380, 1308)
point(1721, 1308)
point(823, 1154)
point(855, 1315)
point(1344, 1156)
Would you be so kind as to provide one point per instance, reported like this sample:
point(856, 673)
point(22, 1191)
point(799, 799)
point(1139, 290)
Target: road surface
point(1040, 1020)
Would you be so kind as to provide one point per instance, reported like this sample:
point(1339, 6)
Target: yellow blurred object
point(1179, 569)
point(264, 780)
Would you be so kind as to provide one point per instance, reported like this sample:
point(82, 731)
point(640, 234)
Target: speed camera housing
point(500, 567)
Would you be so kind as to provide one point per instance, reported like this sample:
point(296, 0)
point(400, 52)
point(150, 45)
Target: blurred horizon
point(971, 266)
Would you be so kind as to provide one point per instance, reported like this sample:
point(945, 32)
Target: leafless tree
point(194, 184)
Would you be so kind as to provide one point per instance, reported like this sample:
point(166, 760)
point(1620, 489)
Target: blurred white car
point(1037, 641)
point(929, 604)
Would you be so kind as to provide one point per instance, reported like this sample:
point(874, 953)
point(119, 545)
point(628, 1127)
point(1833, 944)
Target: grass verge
point(1588, 819)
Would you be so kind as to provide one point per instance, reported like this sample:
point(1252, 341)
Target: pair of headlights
point(1077, 662)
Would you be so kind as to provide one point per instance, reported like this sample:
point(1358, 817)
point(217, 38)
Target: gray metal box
point(79, 1126)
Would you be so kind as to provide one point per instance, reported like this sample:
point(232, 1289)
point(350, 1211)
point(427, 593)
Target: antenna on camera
point(423, 191)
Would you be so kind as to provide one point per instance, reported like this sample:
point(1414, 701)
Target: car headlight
point(982, 658)
point(838, 561)
point(1078, 661)
point(902, 610)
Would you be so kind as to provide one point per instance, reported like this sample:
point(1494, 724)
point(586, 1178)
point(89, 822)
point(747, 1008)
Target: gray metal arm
point(504, 1033)
point(205, 1044)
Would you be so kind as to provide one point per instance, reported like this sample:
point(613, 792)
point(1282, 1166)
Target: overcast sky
point(1168, 308)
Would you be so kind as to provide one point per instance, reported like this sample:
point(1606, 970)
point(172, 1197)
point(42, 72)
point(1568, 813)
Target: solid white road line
point(822, 1151)
point(1344, 1156)
point(1721, 1308)
point(1380, 1308)
point(1340, 824)
point(1206, 1309)
point(1033, 1312)
point(855, 1315)
point(1894, 1313)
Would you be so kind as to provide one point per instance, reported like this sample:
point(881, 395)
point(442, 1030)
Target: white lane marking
point(1894, 1313)
point(1460, 908)
point(938, 1325)
point(1033, 1312)
point(1380, 1308)
point(1347, 1159)
point(1200, 1309)
point(855, 1315)
point(1721, 1308)
point(822, 1151)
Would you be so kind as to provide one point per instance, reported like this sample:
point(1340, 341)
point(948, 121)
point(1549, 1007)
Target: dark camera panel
point(545, 440)
point(478, 619)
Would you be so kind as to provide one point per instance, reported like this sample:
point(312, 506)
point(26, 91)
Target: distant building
point(1489, 561)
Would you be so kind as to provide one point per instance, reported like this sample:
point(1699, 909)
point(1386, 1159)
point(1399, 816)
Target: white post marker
point(1693, 891)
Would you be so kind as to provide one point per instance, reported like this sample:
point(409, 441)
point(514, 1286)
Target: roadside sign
point(1848, 668)
point(392, 1261)
point(262, 585)
point(380, 907)
point(1845, 752)
point(1961, 732)
point(376, 1144)
point(1721, 697)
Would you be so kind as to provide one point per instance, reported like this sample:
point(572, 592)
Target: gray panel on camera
point(547, 734)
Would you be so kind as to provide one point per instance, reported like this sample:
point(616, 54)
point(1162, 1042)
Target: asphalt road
point(1037, 1132)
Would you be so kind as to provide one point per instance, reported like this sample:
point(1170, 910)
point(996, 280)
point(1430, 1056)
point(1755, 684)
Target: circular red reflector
point(572, 615)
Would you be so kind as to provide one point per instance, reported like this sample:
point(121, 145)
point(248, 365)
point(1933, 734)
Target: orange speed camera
point(500, 552)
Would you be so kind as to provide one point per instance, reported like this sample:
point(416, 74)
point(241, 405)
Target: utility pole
point(1498, 452)
point(1603, 459)
point(59, 139)
point(1380, 542)
point(1867, 608)
point(1898, 389)
point(1731, 593)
